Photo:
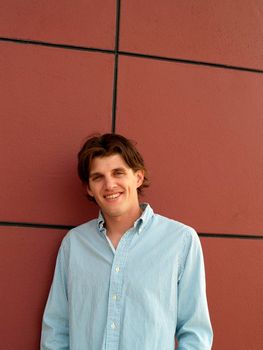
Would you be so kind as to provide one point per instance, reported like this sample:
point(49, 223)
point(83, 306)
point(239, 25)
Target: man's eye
point(119, 173)
point(96, 178)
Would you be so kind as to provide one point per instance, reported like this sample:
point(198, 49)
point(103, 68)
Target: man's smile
point(113, 196)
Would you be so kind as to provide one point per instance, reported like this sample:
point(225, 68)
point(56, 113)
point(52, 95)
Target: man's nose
point(109, 183)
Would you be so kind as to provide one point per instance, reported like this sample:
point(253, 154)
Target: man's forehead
point(111, 162)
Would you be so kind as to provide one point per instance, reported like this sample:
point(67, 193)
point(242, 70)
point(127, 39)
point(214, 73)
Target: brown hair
point(107, 145)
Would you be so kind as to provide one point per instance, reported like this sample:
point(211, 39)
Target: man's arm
point(55, 325)
point(194, 331)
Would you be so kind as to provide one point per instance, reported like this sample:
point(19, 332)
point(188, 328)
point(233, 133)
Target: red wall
point(189, 89)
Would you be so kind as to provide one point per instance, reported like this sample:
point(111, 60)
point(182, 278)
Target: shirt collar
point(100, 222)
point(139, 224)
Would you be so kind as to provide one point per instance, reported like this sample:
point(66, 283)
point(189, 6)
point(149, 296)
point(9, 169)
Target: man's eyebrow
point(120, 168)
point(94, 174)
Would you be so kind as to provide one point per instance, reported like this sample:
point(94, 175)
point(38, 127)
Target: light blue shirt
point(137, 297)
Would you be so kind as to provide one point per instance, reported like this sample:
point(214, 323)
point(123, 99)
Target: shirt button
point(113, 325)
point(114, 297)
point(117, 269)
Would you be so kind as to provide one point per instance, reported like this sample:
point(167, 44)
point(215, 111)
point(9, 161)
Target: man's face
point(114, 186)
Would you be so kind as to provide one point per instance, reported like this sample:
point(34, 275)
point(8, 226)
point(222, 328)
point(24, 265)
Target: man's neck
point(117, 226)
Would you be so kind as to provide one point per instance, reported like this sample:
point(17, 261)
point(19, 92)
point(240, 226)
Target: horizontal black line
point(181, 60)
point(69, 227)
point(35, 225)
point(226, 235)
point(62, 46)
point(133, 54)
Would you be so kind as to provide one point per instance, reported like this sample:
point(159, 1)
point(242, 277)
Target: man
point(131, 279)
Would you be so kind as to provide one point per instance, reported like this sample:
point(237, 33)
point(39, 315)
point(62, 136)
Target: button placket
point(116, 282)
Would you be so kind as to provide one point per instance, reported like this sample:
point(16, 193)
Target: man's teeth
point(112, 196)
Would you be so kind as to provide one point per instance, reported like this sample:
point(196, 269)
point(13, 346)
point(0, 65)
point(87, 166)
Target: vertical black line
point(117, 33)
point(114, 97)
point(116, 62)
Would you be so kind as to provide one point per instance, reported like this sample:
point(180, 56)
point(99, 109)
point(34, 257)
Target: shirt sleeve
point(55, 324)
point(194, 330)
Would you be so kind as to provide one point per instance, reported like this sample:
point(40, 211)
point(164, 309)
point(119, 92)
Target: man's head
point(107, 145)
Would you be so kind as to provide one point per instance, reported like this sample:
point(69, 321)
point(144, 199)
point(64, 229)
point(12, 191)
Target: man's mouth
point(112, 196)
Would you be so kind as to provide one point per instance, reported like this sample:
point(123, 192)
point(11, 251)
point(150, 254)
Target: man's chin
point(112, 213)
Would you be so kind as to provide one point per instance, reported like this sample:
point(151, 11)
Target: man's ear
point(140, 177)
point(89, 190)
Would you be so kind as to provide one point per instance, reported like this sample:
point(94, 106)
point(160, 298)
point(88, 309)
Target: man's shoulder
point(83, 230)
point(174, 228)
point(161, 220)
point(91, 224)
point(172, 236)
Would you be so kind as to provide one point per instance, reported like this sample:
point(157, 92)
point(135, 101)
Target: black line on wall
point(114, 95)
point(116, 65)
point(184, 61)
point(117, 33)
point(35, 225)
point(132, 54)
point(59, 46)
point(69, 227)
point(226, 235)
